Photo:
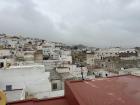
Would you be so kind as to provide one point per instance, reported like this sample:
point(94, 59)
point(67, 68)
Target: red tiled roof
point(122, 90)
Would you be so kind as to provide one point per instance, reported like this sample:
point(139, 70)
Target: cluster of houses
point(20, 49)
point(113, 59)
point(36, 68)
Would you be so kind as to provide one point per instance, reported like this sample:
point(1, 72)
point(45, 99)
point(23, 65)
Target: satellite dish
point(2, 98)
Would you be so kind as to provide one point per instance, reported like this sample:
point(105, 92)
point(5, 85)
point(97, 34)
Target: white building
point(29, 55)
point(4, 53)
point(124, 54)
point(15, 95)
point(5, 63)
point(73, 70)
point(133, 71)
point(32, 78)
point(111, 52)
point(67, 72)
point(66, 56)
point(90, 58)
point(103, 73)
point(10, 41)
point(39, 47)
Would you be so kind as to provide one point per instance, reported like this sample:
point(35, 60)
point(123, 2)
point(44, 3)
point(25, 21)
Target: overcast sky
point(99, 23)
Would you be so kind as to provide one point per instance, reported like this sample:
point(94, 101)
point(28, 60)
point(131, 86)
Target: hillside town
point(37, 68)
point(69, 52)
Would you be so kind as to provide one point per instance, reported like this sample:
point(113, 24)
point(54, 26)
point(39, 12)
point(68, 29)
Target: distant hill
point(79, 46)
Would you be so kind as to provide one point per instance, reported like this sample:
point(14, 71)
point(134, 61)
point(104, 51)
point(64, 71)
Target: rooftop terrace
point(120, 90)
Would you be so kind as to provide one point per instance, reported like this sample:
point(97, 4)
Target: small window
point(102, 65)
point(54, 86)
point(100, 75)
point(8, 87)
point(1, 64)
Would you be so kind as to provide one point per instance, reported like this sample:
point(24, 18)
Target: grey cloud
point(24, 19)
point(98, 23)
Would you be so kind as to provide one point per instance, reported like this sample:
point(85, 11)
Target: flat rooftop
point(14, 95)
point(123, 90)
point(52, 101)
point(120, 90)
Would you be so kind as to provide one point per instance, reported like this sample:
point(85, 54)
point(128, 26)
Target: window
point(8, 87)
point(102, 65)
point(54, 86)
point(1, 64)
point(101, 58)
